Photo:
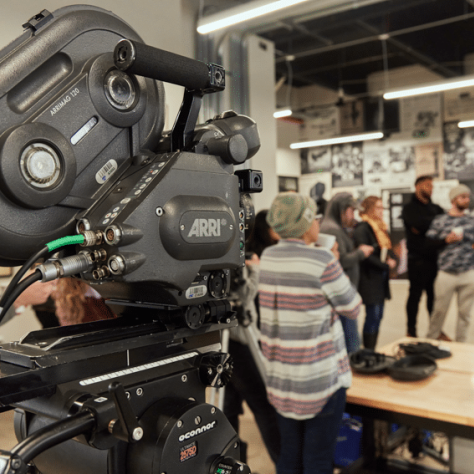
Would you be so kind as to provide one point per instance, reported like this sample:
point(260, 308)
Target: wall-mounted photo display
point(347, 164)
point(389, 163)
point(315, 160)
point(396, 199)
point(287, 183)
point(322, 123)
point(429, 160)
point(458, 157)
point(459, 104)
point(318, 186)
point(420, 117)
point(441, 190)
point(352, 117)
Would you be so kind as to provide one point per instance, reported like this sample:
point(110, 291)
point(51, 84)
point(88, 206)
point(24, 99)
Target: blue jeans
point(373, 316)
point(351, 334)
point(307, 446)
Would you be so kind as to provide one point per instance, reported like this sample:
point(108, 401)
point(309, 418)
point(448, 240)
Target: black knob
point(230, 465)
point(232, 149)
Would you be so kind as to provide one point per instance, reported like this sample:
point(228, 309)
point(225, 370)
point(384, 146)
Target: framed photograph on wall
point(287, 183)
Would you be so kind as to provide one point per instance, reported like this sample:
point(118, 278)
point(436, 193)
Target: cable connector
point(92, 237)
point(65, 267)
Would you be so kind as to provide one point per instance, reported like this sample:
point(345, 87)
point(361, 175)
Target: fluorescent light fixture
point(220, 20)
point(438, 87)
point(283, 113)
point(466, 124)
point(334, 141)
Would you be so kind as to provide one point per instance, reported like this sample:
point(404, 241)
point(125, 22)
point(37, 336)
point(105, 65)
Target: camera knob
point(228, 465)
point(120, 90)
point(233, 150)
point(40, 165)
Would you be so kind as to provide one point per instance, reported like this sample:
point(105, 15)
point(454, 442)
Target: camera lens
point(120, 90)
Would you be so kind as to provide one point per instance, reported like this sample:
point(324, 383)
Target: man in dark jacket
point(422, 252)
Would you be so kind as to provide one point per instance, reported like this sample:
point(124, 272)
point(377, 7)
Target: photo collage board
point(429, 142)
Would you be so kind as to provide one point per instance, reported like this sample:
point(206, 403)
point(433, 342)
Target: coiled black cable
point(18, 289)
point(20, 273)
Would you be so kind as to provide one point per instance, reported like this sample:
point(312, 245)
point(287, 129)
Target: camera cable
point(50, 436)
point(14, 287)
point(18, 289)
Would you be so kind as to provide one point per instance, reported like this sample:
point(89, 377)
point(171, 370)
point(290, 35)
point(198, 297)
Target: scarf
point(380, 231)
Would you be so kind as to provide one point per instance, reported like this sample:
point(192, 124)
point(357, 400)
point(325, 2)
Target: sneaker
point(443, 337)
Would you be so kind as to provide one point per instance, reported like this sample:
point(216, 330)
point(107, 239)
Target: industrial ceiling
point(340, 47)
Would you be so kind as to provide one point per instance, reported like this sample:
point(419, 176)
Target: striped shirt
point(302, 290)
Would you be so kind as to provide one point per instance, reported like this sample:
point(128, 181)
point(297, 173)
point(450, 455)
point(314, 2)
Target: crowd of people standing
point(310, 297)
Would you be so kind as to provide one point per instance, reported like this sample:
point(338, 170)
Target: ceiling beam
point(302, 29)
point(376, 37)
point(410, 52)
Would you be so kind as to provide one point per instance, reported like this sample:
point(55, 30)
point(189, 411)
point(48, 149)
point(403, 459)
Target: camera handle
point(197, 77)
point(144, 60)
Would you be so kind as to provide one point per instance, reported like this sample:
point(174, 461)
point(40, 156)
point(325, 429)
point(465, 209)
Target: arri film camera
point(91, 186)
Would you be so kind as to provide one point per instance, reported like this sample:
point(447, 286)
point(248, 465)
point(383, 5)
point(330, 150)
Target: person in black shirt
point(417, 216)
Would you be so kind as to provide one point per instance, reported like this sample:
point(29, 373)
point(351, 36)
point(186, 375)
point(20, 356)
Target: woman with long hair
point(261, 235)
point(374, 270)
point(74, 301)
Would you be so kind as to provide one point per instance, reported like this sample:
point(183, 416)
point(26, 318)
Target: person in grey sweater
point(339, 221)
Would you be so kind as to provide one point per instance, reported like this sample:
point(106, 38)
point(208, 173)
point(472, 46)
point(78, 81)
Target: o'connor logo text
point(205, 228)
point(197, 431)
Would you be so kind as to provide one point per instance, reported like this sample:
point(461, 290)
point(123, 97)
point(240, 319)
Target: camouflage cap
point(291, 214)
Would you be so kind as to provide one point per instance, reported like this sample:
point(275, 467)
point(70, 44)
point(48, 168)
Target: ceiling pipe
point(368, 39)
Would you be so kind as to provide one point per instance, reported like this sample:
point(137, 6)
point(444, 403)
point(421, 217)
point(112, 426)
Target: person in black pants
point(247, 381)
point(417, 216)
point(374, 270)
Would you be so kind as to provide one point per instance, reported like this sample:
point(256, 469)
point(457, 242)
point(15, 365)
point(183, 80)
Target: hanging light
point(243, 13)
point(282, 113)
point(429, 88)
point(466, 124)
point(337, 140)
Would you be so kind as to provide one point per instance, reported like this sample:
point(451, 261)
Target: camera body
point(163, 214)
point(82, 148)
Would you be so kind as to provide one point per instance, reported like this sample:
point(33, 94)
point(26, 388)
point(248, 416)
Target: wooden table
point(443, 402)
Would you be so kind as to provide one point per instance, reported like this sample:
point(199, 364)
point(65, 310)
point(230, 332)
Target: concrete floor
point(393, 327)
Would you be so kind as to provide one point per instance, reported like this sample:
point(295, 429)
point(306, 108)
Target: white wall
point(305, 96)
point(261, 76)
point(19, 326)
point(288, 162)
point(400, 77)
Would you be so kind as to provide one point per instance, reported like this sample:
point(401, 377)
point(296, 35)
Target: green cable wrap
point(69, 240)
